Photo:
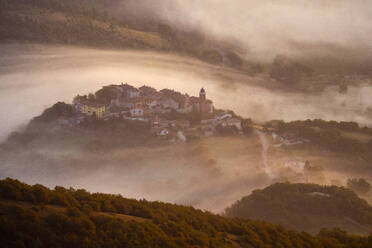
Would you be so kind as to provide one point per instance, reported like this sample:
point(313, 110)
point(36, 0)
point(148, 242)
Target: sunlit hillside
point(38, 216)
point(54, 23)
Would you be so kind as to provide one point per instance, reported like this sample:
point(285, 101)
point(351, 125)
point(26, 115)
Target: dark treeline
point(167, 225)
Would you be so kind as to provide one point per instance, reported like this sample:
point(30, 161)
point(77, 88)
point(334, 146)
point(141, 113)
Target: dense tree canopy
point(75, 218)
point(60, 109)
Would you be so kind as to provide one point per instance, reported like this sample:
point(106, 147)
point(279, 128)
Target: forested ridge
point(165, 225)
point(306, 207)
point(341, 137)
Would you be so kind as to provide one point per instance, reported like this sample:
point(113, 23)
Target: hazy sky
point(272, 26)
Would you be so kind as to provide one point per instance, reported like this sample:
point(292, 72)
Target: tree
point(106, 94)
point(39, 193)
point(91, 97)
point(360, 185)
point(79, 98)
point(57, 110)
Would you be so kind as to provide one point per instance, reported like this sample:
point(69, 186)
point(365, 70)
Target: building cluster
point(152, 106)
point(144, 102)
point(147, 101)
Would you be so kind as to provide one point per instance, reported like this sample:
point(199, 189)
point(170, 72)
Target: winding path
point(265, 147)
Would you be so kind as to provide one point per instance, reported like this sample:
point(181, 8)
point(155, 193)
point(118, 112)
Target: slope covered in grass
point(56, 22)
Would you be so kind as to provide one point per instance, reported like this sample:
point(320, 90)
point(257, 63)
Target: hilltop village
point(168, 113)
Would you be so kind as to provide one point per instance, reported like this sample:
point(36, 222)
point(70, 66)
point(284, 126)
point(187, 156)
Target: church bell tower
point(202, 101)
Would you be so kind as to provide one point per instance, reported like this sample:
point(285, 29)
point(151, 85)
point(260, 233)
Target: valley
point(211, 168)
point(190, 124)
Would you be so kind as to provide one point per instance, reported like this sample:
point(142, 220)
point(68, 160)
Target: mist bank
point(209, 174)
point(321, 37)
point(34, 77)
point(265, 29)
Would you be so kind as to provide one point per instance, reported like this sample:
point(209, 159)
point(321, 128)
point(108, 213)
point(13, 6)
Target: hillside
point(97, 24)
point(127, 116)
point(141, 156)
point(341, 146)
point(114, 24)
point(306, 207)
point(35, 216)
point(68, 23)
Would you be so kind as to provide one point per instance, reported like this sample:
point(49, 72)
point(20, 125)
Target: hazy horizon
point(265, 29)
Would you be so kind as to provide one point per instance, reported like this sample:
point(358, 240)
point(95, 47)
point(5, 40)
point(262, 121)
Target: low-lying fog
point(33, 78)
point(267, 28)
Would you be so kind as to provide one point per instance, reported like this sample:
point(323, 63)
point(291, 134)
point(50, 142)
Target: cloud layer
point(266, 28)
